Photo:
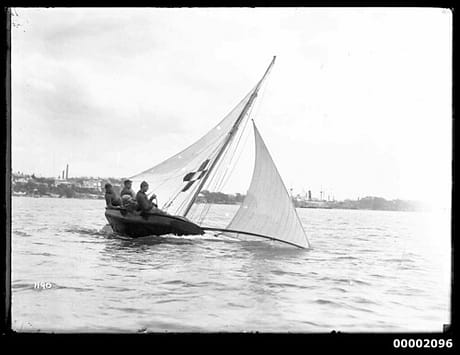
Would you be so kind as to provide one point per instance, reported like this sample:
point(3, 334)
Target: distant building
point(92, 184)
point(64, 182)
point(20, 180)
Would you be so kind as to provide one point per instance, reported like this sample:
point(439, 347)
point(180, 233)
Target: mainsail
point(177, 179)
point(267, 209)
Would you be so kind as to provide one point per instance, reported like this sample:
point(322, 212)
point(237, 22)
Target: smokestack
point(67, 172)
point(62, 174)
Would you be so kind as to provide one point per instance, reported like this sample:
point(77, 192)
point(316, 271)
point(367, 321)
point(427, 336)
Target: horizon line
point(121, 178)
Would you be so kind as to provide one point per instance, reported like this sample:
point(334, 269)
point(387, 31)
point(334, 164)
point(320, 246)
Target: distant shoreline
point(325, 207)
point(93, 188)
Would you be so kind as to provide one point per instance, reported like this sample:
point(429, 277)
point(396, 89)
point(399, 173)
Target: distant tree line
point(366, 203)
point(220, 198)
point(47, 189)
point(45, 186)
point(378, 203)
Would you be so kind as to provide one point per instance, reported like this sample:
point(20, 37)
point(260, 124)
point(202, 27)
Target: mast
point(229, 137)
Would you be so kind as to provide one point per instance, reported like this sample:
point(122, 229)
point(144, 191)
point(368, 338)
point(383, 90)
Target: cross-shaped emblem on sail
point(195, 175)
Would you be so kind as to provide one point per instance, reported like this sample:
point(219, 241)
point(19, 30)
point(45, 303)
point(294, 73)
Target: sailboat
point(267, 210)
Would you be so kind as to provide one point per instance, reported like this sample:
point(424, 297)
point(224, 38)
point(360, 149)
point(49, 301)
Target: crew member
point(111, 197)
point(144, 203)
point(127, 195)
point(127, 189)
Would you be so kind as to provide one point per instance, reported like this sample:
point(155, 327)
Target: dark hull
point(135, 224)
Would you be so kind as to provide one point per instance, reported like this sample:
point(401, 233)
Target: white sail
point(176, 179)
point(267, 209)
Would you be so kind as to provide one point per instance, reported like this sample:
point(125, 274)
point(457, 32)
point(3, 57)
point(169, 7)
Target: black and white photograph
point(230, 170)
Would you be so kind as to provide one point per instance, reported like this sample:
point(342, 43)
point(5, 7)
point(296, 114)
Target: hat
point(126, 181)
point(107, 185)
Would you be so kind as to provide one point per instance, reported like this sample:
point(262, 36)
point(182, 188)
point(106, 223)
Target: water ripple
point(367, 271)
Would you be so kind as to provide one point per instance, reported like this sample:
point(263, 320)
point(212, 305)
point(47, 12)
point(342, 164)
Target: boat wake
point(107, 231)
point(208, 236)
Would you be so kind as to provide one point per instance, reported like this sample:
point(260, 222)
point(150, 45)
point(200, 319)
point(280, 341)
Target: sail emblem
point(195, 175)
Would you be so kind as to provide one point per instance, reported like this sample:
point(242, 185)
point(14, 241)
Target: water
point(367, 271)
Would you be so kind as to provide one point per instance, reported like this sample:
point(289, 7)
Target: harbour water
point(367, 271)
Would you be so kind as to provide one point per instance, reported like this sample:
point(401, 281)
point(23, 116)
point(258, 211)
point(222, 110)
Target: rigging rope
point(235, 161)
point(212, 183)
point(219, 181)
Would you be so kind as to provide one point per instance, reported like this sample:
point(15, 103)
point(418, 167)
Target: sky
point(359, 101)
